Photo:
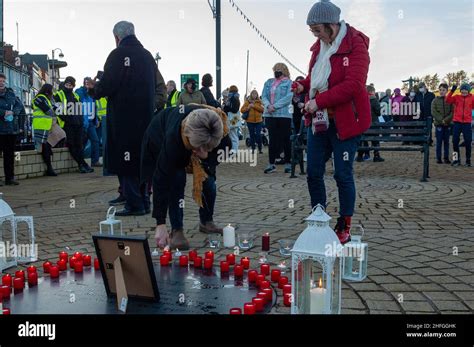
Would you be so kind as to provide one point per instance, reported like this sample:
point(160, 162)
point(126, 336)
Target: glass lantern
point(7, 235)
point(354, 267)
point(316, 268)
point(110, 221)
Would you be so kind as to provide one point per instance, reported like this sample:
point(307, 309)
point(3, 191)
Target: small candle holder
point(245, 240)
point(263, 258)
point(214, 241)
point(286, 246)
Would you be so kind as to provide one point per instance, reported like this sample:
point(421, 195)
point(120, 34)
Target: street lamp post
point(61, 55)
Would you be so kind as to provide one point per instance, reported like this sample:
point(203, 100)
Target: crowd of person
point(153, 134)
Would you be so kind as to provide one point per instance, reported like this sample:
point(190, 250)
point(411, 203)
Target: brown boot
point(210, 228)
point(178, 241)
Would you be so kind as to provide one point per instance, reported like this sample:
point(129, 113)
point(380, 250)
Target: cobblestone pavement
point(411, 247)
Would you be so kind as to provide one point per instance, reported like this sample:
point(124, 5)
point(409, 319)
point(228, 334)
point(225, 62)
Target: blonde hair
point(204, 128)
point(253, 92)
point(283, 68)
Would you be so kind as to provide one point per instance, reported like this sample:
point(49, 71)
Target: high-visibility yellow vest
point(101, 108)
point(174, 99)
point(41, 120)
point(63, 99)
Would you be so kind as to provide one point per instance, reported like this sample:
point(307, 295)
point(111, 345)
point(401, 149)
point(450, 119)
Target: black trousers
point(74, 140)
point(46, 153)
point(7, 147)
point(279, 131)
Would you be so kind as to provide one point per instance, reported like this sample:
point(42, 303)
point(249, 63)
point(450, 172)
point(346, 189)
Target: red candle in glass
point(6, 291)
point(46, 266)
point(269, 293)
point(209, 255)
point(265, 269)
point(18, 283)
point(275, 275)
point(72, 260)
point(168, 254)
point(230, 259)
point(96, 264)
point(259, 279)
point(192, 255)
point(54, 271)
point(62, 265)
point(263, 296)
point(266, 242)
point(6, 311)
point(31, 269)
point(78, 255)
point(63, 255)
point(78, 266)
point(32, 279)
point(208, 263)
point(286, 289)
point(287, 299)
point(198, 262)
point(7, 280)
point(238, 271)
point(20, 274)
point(249, 308)
point(224, 267)
point(259, 303)
point(87, 260)
point(282, 281)
point(164, 260)
point(183, 260)
point(235, 311)
point(245, 262)
point(264, 284)
point(252, 274)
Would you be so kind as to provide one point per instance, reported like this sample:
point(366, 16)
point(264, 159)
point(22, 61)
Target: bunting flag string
point(262, 36)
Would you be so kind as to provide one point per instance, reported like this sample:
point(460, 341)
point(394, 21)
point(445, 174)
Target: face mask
point(412, 93)
point(278, 74)
point(422, 90)
point(9, 118)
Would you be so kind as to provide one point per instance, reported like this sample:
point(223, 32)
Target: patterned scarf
point(195, 167)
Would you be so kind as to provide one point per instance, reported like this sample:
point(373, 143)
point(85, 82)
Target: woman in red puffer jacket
point(338, 109)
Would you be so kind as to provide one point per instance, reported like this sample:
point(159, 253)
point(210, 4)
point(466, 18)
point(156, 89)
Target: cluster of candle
point(207, 262)
point(265, 293)
point(17, 282)
point(76, 262)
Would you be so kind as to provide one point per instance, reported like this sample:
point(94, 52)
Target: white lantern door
point(26, 247)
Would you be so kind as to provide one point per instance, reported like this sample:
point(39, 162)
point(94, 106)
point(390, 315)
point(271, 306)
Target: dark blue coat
point(9, 102)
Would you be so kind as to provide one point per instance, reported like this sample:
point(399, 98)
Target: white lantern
point(316, 268)
point(110, 222)
point(356, 252)
point(11, 253)
point(7, 235)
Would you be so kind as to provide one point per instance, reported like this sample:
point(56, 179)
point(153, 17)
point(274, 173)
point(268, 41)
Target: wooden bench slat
point(395, 131)
point(395, 139)
point(400, 124)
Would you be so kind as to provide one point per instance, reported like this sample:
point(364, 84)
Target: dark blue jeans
point(465, 129)
point(255, 132)
point(209, 192)
point(91, 133)
point(136, 194)
point(442, 141)
point(320, 148)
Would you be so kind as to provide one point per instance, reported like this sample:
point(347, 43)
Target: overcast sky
point(408, 37)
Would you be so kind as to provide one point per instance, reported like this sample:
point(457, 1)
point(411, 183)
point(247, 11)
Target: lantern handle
point(111, 213)
point(361, 228)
